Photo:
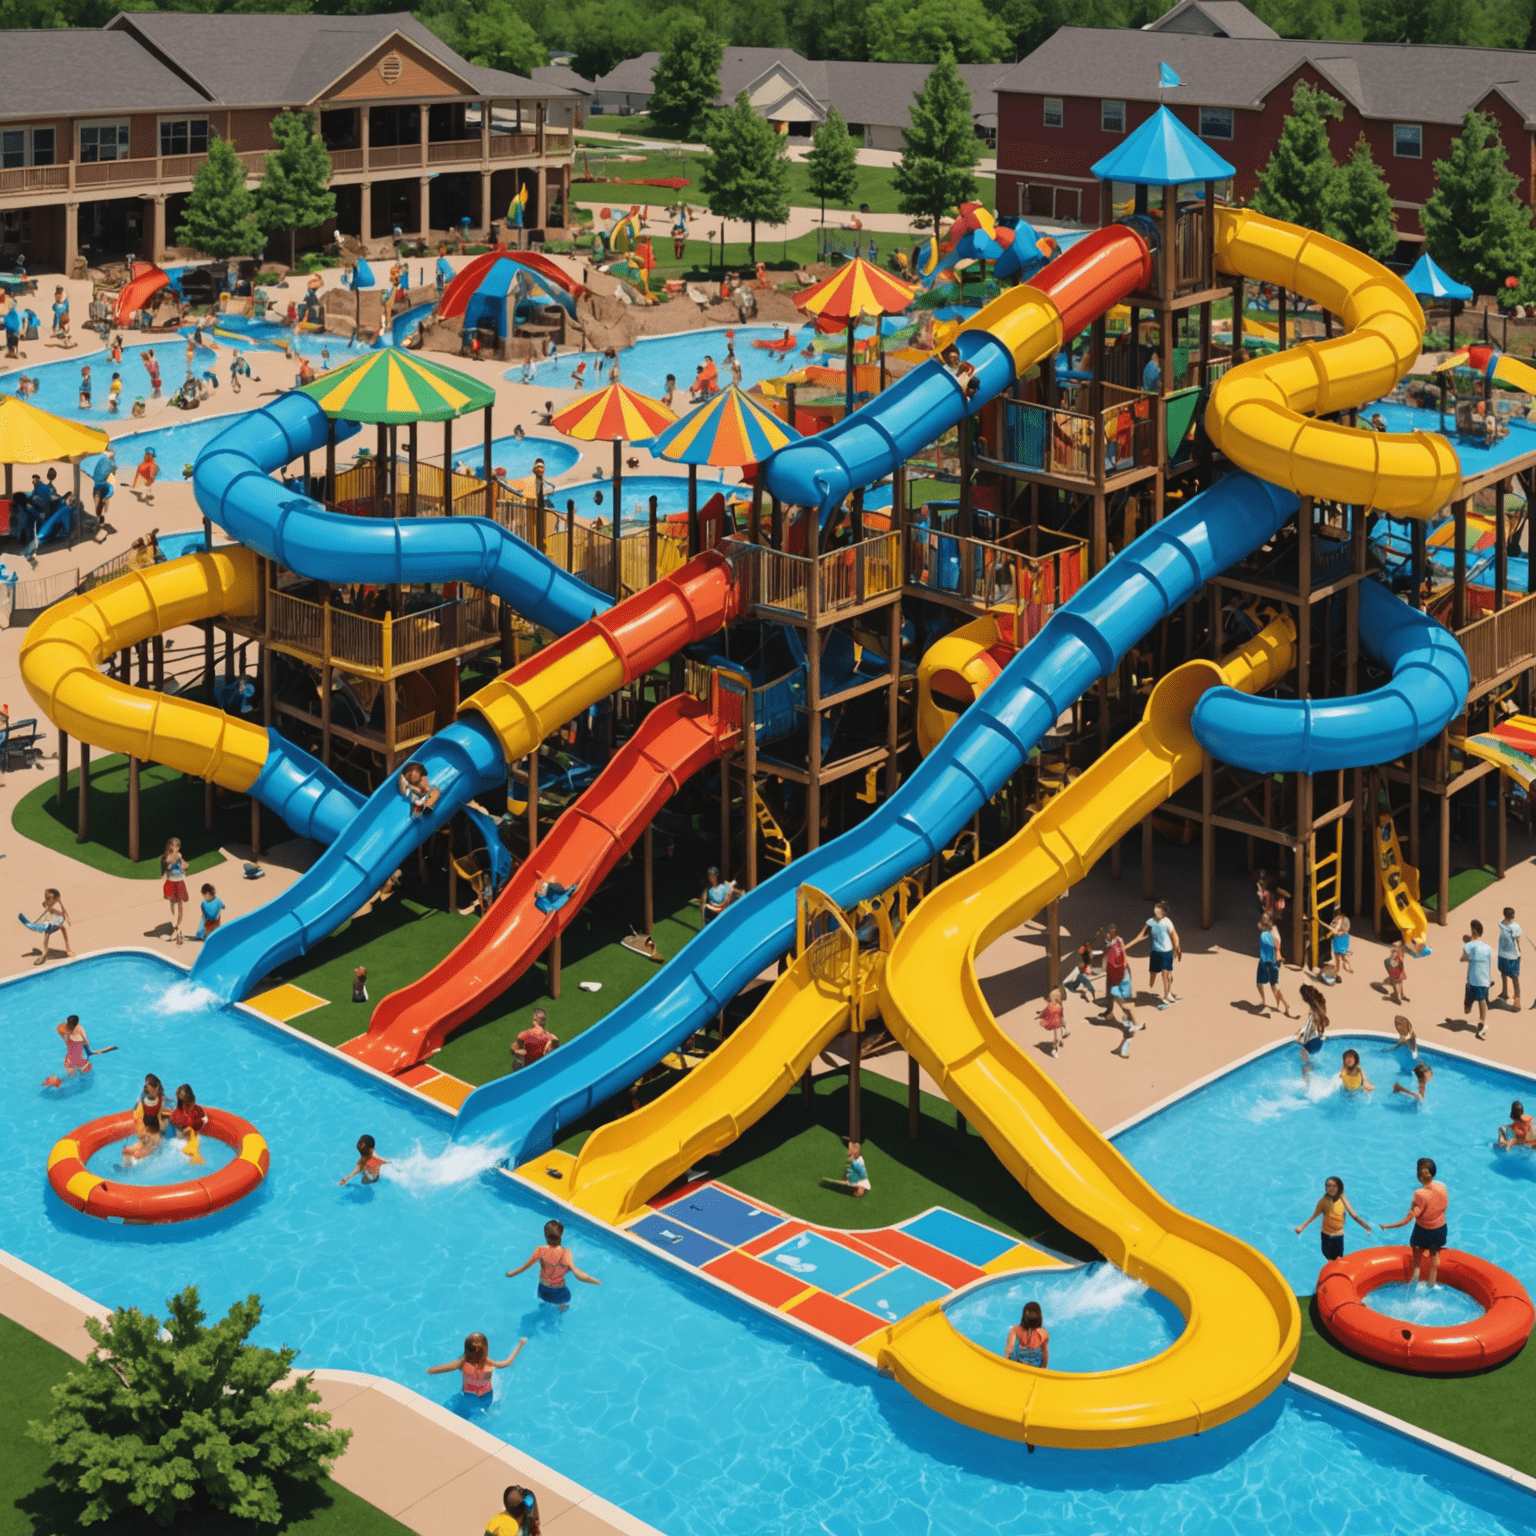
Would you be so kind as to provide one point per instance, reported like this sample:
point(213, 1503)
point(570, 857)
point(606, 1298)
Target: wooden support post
point(1501, 553)
point(1501, 846)
point(63, 769)
point(914, 1099)
point(1442, 916)
point(554, 968)
point(618, 518)
point(1459, 566)
point(448, 467)
point(813, 723)
point(1148, 881)
point(533, 799)
point(208, 659)
point(1299, 868)
point(1053, 943)
point(207, 805)
point(133, 810)
point(648, 852)
point(490, 468)
point(157, 664)
point(855, 1118)
point(749, 781)
point(1207, 842)
point(330, 461)
point(725, 818)
point(84, 828)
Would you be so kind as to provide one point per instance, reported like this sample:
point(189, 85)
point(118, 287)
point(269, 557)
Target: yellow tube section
point(64, 647)
point(1258, 415)
point(523, 710)
point(1242, 1326)
point(1025, 320)
point(964, 655)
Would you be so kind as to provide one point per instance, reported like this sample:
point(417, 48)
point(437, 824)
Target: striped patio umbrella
point(614, 412)
point(392, 388)
point(857, 289)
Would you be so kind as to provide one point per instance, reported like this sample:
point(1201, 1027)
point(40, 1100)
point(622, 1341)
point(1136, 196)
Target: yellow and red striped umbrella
point(614, 412)
point(730, 430)
point(856, 288)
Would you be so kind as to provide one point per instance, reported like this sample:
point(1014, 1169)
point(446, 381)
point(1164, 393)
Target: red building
point(1076, 97)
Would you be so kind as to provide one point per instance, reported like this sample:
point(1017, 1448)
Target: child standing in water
point(555, 1263)
point(174, 868)
point(149, 1112)
point(1333, 1208)
point(1427, 1213)
point(1311, 1035)
point(77, 1049)
point(1352, 1075)
point(213, 913)
point(477, 1365)
point(1028, 1342)
point(368, 1162)
point(1422, 1072)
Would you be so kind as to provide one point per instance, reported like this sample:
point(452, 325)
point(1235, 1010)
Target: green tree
point(1475, 226)
point(219, 218)
point(918, 31)
point(295, 191)
point(1294, 183)
point(757, 24)
point(746, 174)
point(687, 77)
point(832, 165)
point(489, 32)
point(939, 150)
point(176, 1425)
point(1358, 205)
point(602, 33)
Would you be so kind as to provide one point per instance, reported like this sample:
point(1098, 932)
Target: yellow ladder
point(1327, 884)
point(775, 843)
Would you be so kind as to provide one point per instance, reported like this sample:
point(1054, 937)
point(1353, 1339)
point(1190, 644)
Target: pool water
point(1098, 1317)
point(175, 447)
point(265, 335)
point(1202, 1153)
point(692, 1410)
point(514, 456)
point(1430, 1306)
point(58, 382)
point(644, 366)
point(167, 1164)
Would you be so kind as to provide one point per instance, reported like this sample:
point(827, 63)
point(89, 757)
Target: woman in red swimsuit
point(477, 1365)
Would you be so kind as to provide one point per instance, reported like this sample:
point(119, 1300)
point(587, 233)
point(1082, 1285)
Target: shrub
point(185, 1421)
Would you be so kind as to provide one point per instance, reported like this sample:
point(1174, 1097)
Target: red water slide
point(466, 282)
point(675, 740)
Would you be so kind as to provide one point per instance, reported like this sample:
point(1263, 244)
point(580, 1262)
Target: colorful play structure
point(1113, 595)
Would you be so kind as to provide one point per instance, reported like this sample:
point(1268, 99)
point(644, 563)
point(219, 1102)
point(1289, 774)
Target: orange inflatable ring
point(1499, 1333)
point(77, 1186)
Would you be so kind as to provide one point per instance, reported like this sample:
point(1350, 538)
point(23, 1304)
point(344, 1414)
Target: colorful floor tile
point(829, 1266)
point(966, 1239)
point(286, 1002)
point(897, 1292)
point(680, 1241)
point(709, 1209)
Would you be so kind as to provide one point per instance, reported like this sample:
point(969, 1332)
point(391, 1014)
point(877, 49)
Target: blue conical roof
point(1427, 281)
point(1163, 153)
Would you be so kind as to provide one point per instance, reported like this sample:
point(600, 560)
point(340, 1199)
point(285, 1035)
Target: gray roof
point(54, 72)
point(563, 77)
point(240, 60)
point(1392, 81)
point(1218, 18)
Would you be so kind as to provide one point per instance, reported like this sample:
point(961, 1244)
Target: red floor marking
point(858, 1244)
point(841, 1319)
point(762, 1282)
point(418, 1075)
point(916, 1254)
point(766, 1240)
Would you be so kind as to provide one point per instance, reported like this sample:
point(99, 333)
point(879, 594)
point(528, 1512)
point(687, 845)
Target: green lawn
point(170, 805)
point(31, 1366)
point(1490, 1412)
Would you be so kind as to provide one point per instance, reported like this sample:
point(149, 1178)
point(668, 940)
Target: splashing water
point(457, 1163)
point(1306, 1092)
point(187, 997)
point(1430, 1306)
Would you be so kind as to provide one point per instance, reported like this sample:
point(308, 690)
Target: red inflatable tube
point(75, 1185)
point(1504, 1327)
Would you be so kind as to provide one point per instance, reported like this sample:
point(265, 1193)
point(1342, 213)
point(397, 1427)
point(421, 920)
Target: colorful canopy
point(858, 288)
point(396, 387)
point(32, 436)
point(730, 429)
point(614, 412)
point(1426, 280)
point(1163, 153)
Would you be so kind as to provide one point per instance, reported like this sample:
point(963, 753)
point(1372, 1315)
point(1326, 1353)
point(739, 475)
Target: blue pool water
point(1431, 1306)
point(1097, 1317)
point(645, 366)
point(168, 1164)
point(514, 456)
point(1202, 1152)
point(175, 447)
point(58, 382)
point(263, 335)
point(692, 1410)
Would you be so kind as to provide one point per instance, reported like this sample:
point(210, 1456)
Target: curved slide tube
point(504, 721)
point(958, 666)
point(1081, 642)
point(674, 741)
point(1242, 1325)
point(1430, 679)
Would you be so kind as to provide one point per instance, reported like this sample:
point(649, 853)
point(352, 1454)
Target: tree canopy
point(295, 191)
point(918, 31)
point(219, 217)
point(1295, 180)
point(1475, 226)
point(1358, 205)
point(832, 165)
point(746, 175)
point(490, 32)
point(687, 77)
point(940, 149)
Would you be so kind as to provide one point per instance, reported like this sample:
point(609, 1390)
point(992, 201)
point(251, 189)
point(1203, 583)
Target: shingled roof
point(45, 71)
point(1214, 18)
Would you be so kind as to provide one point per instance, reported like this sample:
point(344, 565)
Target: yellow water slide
point(958, 667)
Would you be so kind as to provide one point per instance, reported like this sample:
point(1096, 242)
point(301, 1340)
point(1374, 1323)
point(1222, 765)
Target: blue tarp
point(1163, 153)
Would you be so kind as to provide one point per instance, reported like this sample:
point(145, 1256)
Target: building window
point(184, 136)
point(1215, 122)
point(1112, 116)
point(26, 146)
point(16, 226)
point(1407, 141)
point(1053, 114)
point(103, 141)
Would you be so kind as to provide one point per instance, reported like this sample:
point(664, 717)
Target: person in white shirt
point(1509, 958)
point(1165, 950)
point(1478, 959)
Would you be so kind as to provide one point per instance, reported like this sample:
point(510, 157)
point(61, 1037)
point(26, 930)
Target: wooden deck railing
point(1082, 444)
point(1500, 641)
point(845, 578)
point(1019, 590)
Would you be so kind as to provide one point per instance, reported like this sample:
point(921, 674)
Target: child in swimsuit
point(1311, 1035)
point(1338, 961)
point(476, 1364)
point(1521, 1130)
point(1053, 1019)
point(1427, 1213)
point(417, 788)
point(368, 1162)
point(1352, 1075)
point(212, 910)
point(174, 869)
point(187, 1120)
point(1029, 1343)
point(1333, 1208)
point(1405, 1036)
point(1397, 972)
point(53, 919)
point(77, 1049)
point(555, 1263)
point(1422, 1072)
point(149, 1112)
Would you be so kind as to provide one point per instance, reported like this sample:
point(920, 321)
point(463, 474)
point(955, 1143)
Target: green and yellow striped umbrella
point(395, 388)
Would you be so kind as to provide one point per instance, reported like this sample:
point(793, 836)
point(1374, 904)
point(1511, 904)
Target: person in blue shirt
point(1152, 375)
point(855, 1177)
point(1269, 964)
point(1478, 959)
point(12, 330)
point(719, 893)
point(212, 910)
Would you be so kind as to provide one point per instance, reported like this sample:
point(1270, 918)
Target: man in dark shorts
point(1427, 1213)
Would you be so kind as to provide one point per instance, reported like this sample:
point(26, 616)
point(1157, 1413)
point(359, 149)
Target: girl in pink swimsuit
point(77, 1049)
point(476, 1364)
point(555, 1263)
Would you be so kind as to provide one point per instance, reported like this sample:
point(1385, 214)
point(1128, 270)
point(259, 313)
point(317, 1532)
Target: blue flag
point(1166, 78)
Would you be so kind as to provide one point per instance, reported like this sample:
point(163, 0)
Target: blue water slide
point(312, 801)
point(232, 481)
point(1082, 642)
point(1428, 688)
point(404, 323)
point(497, 852)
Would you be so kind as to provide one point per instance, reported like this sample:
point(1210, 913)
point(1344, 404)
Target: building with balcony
point(419, 138)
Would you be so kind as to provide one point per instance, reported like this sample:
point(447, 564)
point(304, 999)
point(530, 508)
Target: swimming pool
point(263, 335)
point(515, 456)
point(680, 1403)
point(644, 366)
point(1201, 1152)
point(58, 382)
point(175, 447)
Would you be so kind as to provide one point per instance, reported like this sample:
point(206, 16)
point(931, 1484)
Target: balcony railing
point(450, 150)
point(1500, 641)
point(1019, 590)
point(34, 178)
point(845, 578)
point(512, 146)
point(346, 159)
point(1082, 445)
point(383, 157)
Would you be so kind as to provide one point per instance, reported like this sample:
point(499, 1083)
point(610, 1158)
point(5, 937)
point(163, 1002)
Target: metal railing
point(721, 691)
point(1021, 591)
point(1500, 641)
